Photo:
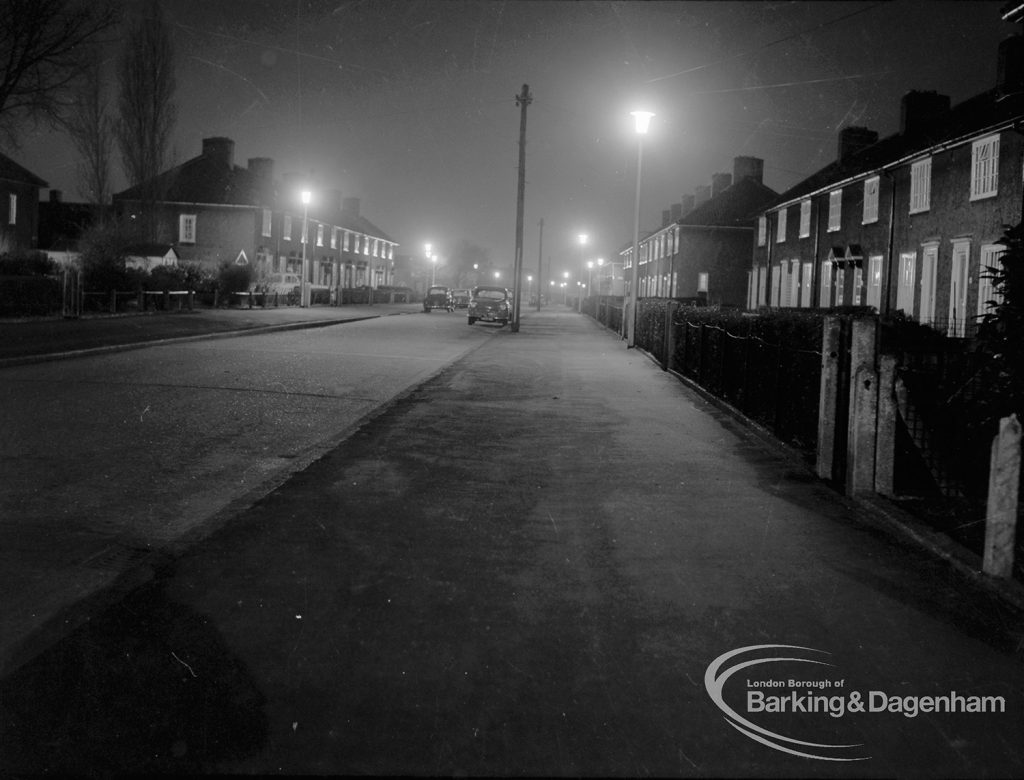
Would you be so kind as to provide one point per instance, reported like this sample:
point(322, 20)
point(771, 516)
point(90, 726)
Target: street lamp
point(529, 287)
point(583, 242)
point(643, 122)
point(306, 196)
point(433, 270)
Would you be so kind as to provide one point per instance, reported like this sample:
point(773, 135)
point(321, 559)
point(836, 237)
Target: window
point(12, 209)
point(762, 230)
point(702, 282)
point(858, 283)
point(366, 245)
point(267, 217)
point(286, 231)
point(835, 203)
point(376, 243)
point(988, 296)
point(187, 229)
point(958, 282)
point(794, 283)
point(334, 238)
point(929, 269)
point(345, 241)
point(805, 288)
point(874, 296)
point(777, 284)
point(870, 201)
point(985, 167)
point(780, 235)
point(805, 218)
point(305, 230)
point(920, 186)
point(320, 235)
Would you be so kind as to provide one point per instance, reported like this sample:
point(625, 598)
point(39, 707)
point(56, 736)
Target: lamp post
point(529, 287)
point(579, 298)
point(433, 270)
point(643, 121)
point(304, 297)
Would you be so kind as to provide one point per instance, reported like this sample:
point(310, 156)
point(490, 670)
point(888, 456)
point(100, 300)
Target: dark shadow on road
point(147, 686)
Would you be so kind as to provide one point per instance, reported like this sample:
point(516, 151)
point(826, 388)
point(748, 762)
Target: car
point(461, 298)
point(490, 304)
point(438, 298)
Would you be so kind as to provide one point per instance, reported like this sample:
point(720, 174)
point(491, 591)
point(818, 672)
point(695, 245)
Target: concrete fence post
point(670, 336)
point(1003, 488)
point(885, 432)
point(831, 349)
point(861, 430)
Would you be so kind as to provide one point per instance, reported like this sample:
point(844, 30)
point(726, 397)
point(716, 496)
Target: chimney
point(666, 217)
point(854, 139)
point(1010, 67)
point(919, 111)
point(688, 204)
point(701, 194)
point(748, 168)
point(350, 206)
point(677, 212)
point(221, 149)
point(56, 196)
point(719, 183)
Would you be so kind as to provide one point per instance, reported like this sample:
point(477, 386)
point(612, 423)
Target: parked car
point(490, 304)
point(438, 298)
point(461, 299)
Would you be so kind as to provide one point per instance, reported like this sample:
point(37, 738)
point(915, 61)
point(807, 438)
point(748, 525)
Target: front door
point(929, 266)
point(958, 289)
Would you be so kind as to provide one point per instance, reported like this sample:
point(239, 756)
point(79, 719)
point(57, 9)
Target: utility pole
point(540, 264)
point(522, 100)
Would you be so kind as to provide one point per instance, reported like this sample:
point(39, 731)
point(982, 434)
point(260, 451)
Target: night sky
point(410, 105)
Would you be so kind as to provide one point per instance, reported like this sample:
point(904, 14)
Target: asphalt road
point(104, 459)
point(527, 566)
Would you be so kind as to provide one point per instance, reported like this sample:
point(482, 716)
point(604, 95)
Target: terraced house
point(211, 211)
point(907, 223)
point(19, 206)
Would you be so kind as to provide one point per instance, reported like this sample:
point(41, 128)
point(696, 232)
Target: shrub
point(232, 278)
point(103, 257)
point(27, 264)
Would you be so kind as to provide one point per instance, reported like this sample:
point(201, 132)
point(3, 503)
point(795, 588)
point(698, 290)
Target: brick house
point(19, 207)
point(704, 252)
point(213, 211)
point(907, 223)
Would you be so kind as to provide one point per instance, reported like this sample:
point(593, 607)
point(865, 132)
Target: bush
point(27, 264)
point(103, 257)
point(232, 278)
point(22, 296)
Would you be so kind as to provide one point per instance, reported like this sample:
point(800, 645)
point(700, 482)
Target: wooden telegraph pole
point(522, 100)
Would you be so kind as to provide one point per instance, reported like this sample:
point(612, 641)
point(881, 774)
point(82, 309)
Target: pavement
point(524, 567)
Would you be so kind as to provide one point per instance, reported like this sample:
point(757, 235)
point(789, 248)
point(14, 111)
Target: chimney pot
point(701, 194)
point(919, 110)
point(748, 168)
point(221, 149)
point(855, 139)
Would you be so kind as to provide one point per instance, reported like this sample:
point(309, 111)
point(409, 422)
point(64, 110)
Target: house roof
point(11, 171)
point(974, 117)
point(736, 206)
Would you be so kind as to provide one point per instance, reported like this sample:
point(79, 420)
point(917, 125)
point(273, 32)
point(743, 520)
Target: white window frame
point(929, 283)
point(794, 283)
point(780, 232)
point(12, 209)
point(320, 234)
point(268, 219)
point(702, 281)
point(990, 254)
point(286, 231)
point(871, 187)
point(959, 286)
point(805, 218)
point(858, 285)
point(346, 244)
point(905, 284)
point(985, 167)
point(826, 284)
point(762, 231)
point(805, 286)
point(835, 210)
point(334, 238)
point(186, 228)
point(921, 185)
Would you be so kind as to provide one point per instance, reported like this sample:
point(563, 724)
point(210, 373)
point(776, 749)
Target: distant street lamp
point(304, 293)
point(529, 287)
point(583, 243)
point(643, 122)
point(433, 270)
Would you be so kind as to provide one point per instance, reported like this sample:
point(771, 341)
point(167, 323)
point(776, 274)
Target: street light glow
point(306, 196)
point(583, 238)
point(643, 121)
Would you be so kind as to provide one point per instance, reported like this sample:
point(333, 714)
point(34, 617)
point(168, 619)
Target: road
point(529, 565)
point(103, 459)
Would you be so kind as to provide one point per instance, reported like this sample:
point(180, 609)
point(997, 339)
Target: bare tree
point(91, 129)
point(146, 104)
point(41, 48)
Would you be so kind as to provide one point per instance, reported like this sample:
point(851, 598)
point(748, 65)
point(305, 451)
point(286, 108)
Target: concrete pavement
point(526, 566)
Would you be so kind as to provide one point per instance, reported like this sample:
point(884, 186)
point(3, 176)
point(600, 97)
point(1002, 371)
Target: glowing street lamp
point(643, 123)
point(304, 293)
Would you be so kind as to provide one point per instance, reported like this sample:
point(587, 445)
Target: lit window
point(805, 218)
point(12, 209)
point(805, 287)
point(702, 282)
point(267, 216)
point(780, 236)
point(305, 230)
point(366, 245)
point(287, 229)
point(920, 186)
point(320, 235)
point(870, 200)
point(334, 238)
point(762, 230)
point(985, 167)
point(835, 203)
point(187, 229)
point(345, 245)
